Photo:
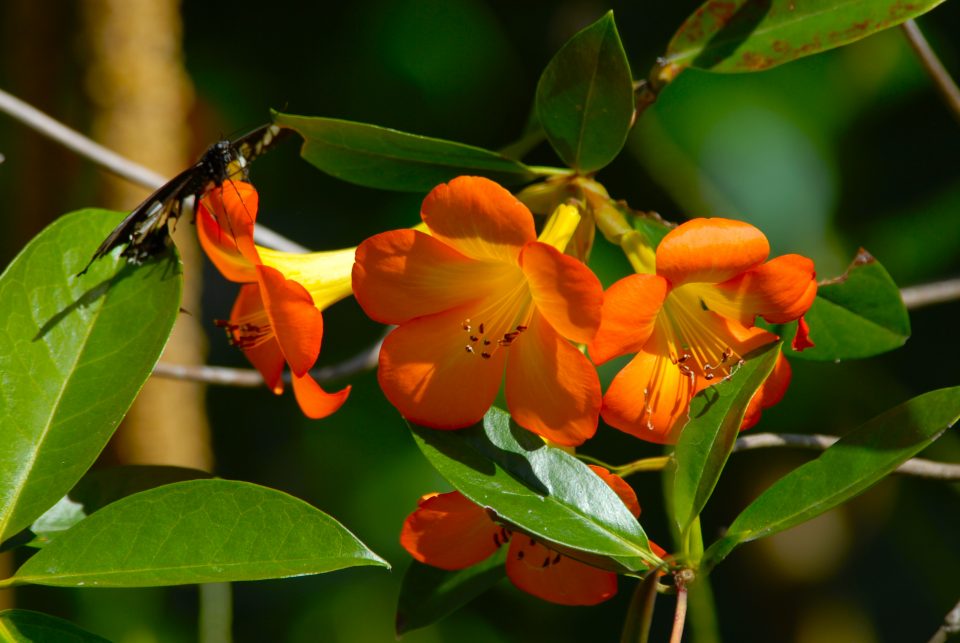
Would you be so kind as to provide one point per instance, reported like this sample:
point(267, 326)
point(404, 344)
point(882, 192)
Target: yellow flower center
point(696, 343)
point(498, 324)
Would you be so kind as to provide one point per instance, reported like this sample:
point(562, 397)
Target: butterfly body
point(145, 231)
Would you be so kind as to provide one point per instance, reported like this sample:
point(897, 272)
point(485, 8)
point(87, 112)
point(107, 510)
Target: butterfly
point(145, 231)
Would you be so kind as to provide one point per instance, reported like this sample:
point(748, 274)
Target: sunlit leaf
point(198, 531)
point(707, 439)
point(859, 314)
point(379, 157)
point(846, 469)
point(74, 352)
point(430, 593)
point(25, 626)
point(539, 490)
point(752, 35)
point(99, 488)
point(585, 97)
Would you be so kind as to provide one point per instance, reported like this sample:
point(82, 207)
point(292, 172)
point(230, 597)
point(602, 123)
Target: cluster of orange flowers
point(480, 301)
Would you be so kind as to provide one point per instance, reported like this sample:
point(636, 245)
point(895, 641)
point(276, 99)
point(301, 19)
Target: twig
point(113, 162)
point(249, 378)
point(934, 293)
point(914, 467)
point(951, 626)
point(941, 77)
point(680, 615)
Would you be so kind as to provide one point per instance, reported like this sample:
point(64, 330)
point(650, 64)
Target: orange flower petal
point(649, 398)
point(620, 486)
point(313, 400)
point(450, 532)
point(226, 220)
point(403, 274)
point(780, 290)
point(564, 291)
point(553, 577)
point(479, 218)
point(427, 373)
point(710, 250)
point(801, 341)
point(770, 393)
point(265, 356)
point(630, 309)
point(552, 388)
point(296, 322)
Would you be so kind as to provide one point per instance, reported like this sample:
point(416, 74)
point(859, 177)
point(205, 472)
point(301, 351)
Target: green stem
point(216, 613)
point(546, 170)
point(636, 628)
point(591, 460)
point(703, 612)
point(658, 463)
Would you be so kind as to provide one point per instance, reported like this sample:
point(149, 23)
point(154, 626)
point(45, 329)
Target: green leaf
point(585, 97)
point(99, 488)
point(707, 439)
point(538, 490)
point(753, 35)
point(74, 353)
point(430, 593)
point(25, 626)
point(198, 531)
point(846, 469)
point(378, 157)
point(859, 314)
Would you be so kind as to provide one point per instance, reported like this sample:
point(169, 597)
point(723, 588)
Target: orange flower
point(276, 319)
point(451, 532)
point(691, 323)
point(479, 295)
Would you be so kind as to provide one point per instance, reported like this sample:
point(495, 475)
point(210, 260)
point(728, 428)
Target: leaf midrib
point(21, 483)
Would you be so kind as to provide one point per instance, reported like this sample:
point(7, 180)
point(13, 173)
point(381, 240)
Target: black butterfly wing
point(146, 220)
point(257, 142)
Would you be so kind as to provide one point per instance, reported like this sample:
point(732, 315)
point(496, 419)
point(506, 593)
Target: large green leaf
point(430, 593)
point(859, 314)
point(198, 531)
point(585, 97)
point(99, 488)
point(74, 352)
point(539, 490)
point(846, 469)
point(752, 35)
point(383, 158)
point(707, 439)
point(24, 626)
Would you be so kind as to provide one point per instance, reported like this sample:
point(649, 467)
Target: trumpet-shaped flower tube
point(691, 323)
point(276, 319)
point(477, 297)
point(449, 531)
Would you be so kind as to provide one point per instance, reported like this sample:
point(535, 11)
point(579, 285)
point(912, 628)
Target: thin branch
point(934, 293)
point(680, 615)
point(914, 467)
point(951, 626)
point(250, 378)
point(113, 162)
point(941, 77)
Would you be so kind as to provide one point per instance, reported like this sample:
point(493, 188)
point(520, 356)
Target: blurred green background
point(846, 149)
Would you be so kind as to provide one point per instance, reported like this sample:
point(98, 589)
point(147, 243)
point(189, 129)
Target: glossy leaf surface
point(198, 531)
point(753, 35)
point(585, 97)
point(846, 469)
point(430, 593)
point(539, 490)
point(707, 439)
point(857, 315)
point(379, 157)
point(74, 353)
point(25, 626)
point(99, 488)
